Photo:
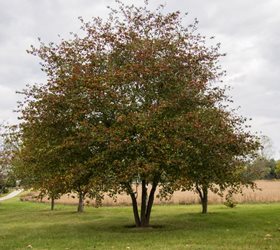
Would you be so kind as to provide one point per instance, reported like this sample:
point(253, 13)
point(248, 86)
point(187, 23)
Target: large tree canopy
point(128, 102)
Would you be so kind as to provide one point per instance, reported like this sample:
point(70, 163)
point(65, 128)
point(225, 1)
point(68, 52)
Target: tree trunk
point(81, 202)
point(151, 202)
point(204, 204)
point(205, 199)
point(135, 210)
point(52, 203)
point(143, 203)
point(134, 204)
point(203, 194)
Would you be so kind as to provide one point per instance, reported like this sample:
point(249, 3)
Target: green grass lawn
point(25, 225)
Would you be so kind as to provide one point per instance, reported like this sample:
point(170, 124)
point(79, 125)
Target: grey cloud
point(248, 30)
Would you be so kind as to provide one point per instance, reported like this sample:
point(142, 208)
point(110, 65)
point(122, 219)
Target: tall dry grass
point(268, 191)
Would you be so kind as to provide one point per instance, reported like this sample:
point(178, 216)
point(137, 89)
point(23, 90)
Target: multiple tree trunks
point(142, 219)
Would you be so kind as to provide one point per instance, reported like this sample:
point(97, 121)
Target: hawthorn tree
point(37, 163)
point(41, 177)
point(115, 110)
point(54, 149)
point(159, 72)
point(221, 149)
point(277, 169)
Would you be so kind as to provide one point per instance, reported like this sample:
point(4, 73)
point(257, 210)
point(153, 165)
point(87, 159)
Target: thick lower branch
point(143, 202)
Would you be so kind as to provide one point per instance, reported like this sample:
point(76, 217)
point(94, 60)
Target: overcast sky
point(249, 31)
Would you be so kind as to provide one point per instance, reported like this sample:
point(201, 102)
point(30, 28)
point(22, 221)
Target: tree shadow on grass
point(150, 227)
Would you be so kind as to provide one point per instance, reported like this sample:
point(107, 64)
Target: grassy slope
point(179, 227)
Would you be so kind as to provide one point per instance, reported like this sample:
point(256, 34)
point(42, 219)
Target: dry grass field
point(268, 191)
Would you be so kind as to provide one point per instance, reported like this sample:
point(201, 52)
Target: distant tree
point(267, 149)
point(3, 181)
point(272, 168)
point(258, 169)
point(277, 169)
point(265, 159)
point(8, 146)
